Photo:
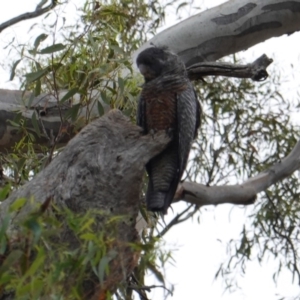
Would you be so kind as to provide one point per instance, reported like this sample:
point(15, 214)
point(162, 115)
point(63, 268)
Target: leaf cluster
point(36, 261)
point(83, 63)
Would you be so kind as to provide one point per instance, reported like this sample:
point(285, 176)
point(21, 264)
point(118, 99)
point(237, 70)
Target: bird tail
point(159, 201)
point(155, 200)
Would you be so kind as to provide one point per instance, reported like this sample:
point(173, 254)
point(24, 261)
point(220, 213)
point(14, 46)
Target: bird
point(167, 101)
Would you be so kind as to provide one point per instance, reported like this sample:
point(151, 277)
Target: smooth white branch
point(244, 193)
point(229, 28)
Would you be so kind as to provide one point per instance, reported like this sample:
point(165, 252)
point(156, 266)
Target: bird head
point(157, 61)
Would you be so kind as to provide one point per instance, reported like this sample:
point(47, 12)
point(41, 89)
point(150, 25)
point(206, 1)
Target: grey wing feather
point(141, 114)
point(198, 114)
point(188, 114)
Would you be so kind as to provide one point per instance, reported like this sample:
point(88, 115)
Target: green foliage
point(244, 129)
point(87, 57)
point(36, 262)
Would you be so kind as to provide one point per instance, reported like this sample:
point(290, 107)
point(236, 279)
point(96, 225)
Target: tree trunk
point(100, 169)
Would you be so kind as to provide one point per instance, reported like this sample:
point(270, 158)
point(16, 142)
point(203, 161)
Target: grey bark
point(244, 193)
point(51, 116)
point(255, 71)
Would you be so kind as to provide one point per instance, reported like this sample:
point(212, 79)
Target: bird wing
point(188, 116)
point(141, 113)
point(198, 114)
point(163, 169)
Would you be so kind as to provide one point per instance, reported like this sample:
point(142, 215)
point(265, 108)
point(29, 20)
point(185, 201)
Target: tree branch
point(149, 287)
point(256, 70)
point(176, 220)
point(29, 15)
point(228, 28)
point(244, 193)
point(47, 109)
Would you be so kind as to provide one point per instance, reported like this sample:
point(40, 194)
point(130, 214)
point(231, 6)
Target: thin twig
point(149, 287)
point(135, 282)
point(29, 15)
point(285, 237)
point(177, 220)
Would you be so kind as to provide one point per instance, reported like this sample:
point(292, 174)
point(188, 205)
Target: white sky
point(198, 252)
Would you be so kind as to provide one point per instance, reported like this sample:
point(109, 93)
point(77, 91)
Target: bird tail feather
point(159, 201)
point(155, 200)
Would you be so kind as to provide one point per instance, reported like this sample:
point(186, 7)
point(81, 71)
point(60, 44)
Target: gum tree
point(71, 229)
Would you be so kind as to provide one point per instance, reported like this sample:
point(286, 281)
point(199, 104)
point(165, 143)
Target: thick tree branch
point(244, 193)
point(29, 15)
point(256, 70)
point(228, 28)
point(48, 113)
